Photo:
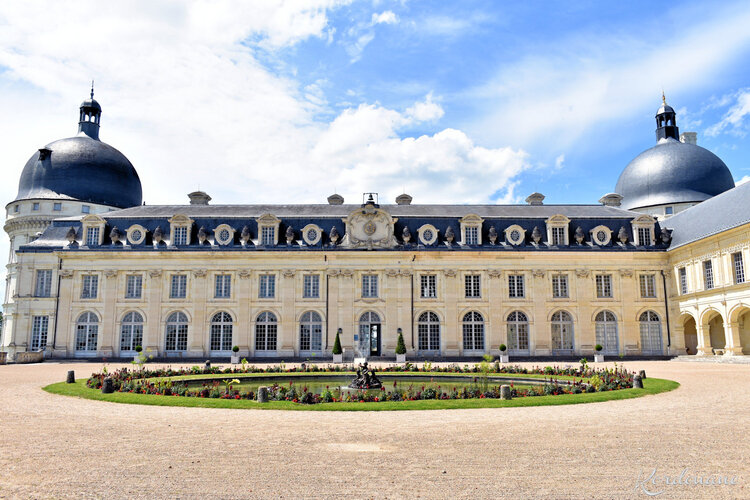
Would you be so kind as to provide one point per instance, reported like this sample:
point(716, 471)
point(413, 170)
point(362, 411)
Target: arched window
point(266, 331)
point(562, 332)
point(473, 328)
point(650, 333)
point(87, 332)
point(177, 332)
point(428, 332)
point(310, 332)
point(221, 332)
point(518, 332)
point(131, 331)
point(606, 332)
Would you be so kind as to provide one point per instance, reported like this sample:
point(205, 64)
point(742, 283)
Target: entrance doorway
point(370, 334)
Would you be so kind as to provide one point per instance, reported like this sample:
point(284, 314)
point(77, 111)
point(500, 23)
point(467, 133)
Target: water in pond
point(318, 384)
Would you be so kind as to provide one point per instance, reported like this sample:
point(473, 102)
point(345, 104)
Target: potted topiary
point(400, 348)
point(503, 353)
point(338, 353)
point(598, 356)
point(138, 350)
point(235, 355)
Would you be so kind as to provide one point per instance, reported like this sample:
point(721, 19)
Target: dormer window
point(557, 230)
point(93, 230)
point(471, 230)
point(643, 230)
point(180, 226)
point(268, 230)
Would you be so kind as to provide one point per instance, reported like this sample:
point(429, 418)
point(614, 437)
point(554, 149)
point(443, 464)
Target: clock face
point(370, 228)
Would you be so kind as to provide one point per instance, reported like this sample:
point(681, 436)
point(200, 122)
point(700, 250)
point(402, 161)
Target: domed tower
point(73, 176)
point(673, 175)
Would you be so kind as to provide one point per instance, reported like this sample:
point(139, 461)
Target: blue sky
point(450, 101)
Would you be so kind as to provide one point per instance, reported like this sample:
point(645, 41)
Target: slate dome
point(672, 171)
point(82, 168)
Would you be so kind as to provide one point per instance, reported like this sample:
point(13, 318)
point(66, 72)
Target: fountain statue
point(366, 378)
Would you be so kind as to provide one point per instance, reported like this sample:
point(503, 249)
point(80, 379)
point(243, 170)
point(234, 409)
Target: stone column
point(450, 332)
point(242, 333)
point(63, 344)
point(288, 344)
point(584, 334)
point(733, 345)
point(388, 334)
point(494, 330)
point(153, 330)
point(197, 334)
point(628, 329)
point(704, 339)
point(540, 334)
point(108, 333)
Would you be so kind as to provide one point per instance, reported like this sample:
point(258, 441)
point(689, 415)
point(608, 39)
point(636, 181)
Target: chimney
point(535, 199)
point(335, 199)
point(611, 200)
point(199, 198)
point(403, 199)
point(689, 138)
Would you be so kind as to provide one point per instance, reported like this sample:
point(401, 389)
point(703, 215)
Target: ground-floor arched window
point(266, 331)
point(177, 332)
point(518, 332)
point(131, 331)
point(87, 332)
point(562, 332)
point(428, 332)
point(606, 332)
point(221, 332)
point(650, 333)
point(473, 330)
point(310, 332)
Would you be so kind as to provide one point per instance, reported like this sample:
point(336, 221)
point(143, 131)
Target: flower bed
point(158, 382)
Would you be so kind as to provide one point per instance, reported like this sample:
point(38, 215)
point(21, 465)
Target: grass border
point(79, 389)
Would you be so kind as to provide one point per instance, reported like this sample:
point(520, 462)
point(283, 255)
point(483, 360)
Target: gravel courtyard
point(60, 447)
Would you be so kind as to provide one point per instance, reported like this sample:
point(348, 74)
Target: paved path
point(58, 447)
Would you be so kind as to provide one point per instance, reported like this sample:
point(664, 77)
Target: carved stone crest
point(369, 227)
point(628, 273)
point(155, 273)
point(288, 273)
point(244, 274)
point(451, 273)
point(538, 273)
point(66, 273)
point(200, 273)
point(582, 273)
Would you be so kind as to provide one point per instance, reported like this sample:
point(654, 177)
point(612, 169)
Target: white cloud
point(742, 181)
point(555, 96)
point(188, 101)
point(734, 120)
point(386, 17)
point(559, 161)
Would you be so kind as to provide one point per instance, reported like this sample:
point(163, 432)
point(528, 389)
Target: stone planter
point(598, 358)
point(503, 358)
point(235, 358)
point(338, 358)
point(400, 358)
point(30, 357)
point(137, 358)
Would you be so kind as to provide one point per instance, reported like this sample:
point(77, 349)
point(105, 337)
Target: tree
point(337, 345)
point(400, 346)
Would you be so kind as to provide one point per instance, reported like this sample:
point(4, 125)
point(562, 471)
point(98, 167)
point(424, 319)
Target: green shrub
point(598, 347)
point(138, 348)
point(400, 346)
point(503, 347)
point(337, 345)
point(235, 349)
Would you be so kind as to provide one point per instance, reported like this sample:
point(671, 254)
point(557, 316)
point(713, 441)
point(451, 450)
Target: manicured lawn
point(79, 389)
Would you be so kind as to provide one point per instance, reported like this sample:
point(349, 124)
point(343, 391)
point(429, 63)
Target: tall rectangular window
point(133, 286)
point(223, 286)
point(89, 286)
point(178, 286)
point(648, 286)
point(180, 236)
point(708, 275)
point(644, 236)
point(739, 268)
point(683, 281)
point(267, 286)
point(92, 236)
point(472, 235)
point(43, 286)
point(473, 286)
point(311, 286)
point(604, 286)
point(268, 236)
point(560, 286)
point(428, 286)
point(515, 286)
point(39, 328)
point(558, 236)
point(369, 285)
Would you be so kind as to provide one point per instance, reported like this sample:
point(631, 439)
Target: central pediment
point(368, 228)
